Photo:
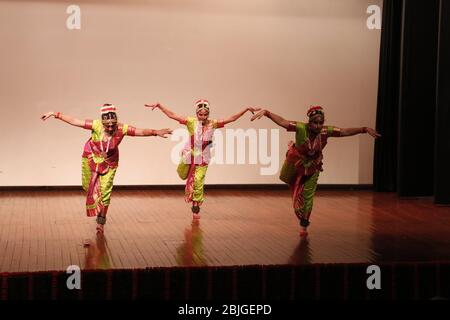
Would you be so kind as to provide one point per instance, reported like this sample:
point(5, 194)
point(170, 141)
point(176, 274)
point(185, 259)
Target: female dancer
point(101, 156)
point(304, 158)
point(196, 155)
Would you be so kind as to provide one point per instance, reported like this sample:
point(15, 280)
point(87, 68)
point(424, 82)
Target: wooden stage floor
point(48, 230)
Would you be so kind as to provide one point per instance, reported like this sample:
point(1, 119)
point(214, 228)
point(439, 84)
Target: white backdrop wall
point(283, 55)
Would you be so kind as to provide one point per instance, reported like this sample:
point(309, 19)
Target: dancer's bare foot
point(303, 232)
point(100, 228)
point(101, 220)
point(195, 210)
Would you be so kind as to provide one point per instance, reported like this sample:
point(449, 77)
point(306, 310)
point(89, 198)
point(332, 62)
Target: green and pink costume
point(100, 160)
point(197, 155)
point(303, 165)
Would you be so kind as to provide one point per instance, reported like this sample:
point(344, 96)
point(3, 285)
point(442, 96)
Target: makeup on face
point(109, 122)
point(316, 123)
point(202, 115)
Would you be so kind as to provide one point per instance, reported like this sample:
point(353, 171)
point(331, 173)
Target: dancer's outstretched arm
point(272, 116)
point(347, 132)
point(240, 114)
point(66, 118)
point(167, 112)
point(152, 132)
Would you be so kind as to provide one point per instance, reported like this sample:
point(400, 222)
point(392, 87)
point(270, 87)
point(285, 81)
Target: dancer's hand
point(47, 115)
point(163, 132)
point(253, 109)
point(373, 133)
point(154, 106)
point(259, 115)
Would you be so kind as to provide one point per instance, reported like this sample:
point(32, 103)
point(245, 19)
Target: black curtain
point(412, 113)
point(385, 162)
point(417, 103)
point(442, 155)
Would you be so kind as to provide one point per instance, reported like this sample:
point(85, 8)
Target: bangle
point(57, 115)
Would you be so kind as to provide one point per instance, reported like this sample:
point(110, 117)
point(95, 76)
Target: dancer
point(100, 157)
point(304, 158)
point(196, 154)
